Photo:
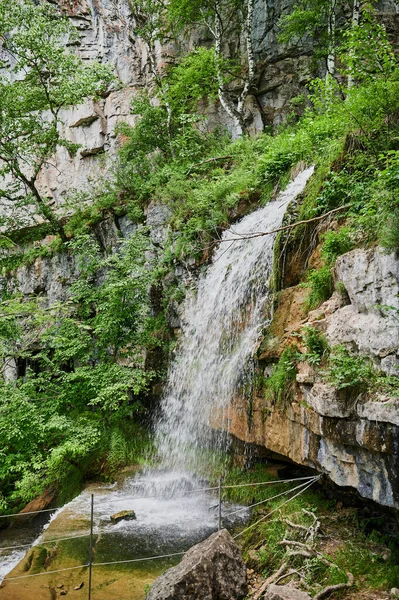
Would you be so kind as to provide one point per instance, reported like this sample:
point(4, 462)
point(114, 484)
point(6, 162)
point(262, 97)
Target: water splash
point(221, 329)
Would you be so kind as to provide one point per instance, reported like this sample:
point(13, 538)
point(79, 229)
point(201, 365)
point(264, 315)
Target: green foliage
point(349, 370)
point(367, 51)
point(33, 44)
point(336, 243)
point(279, 384)
point(84, 371)
point(317, 347)
point(321, 286)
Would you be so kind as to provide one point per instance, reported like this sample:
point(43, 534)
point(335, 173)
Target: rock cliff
point(353, 438)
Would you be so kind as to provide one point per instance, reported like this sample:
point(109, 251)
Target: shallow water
point(173, 512)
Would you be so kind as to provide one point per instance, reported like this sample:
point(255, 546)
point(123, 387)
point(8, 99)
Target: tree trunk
point(355, 23)
point(227, 104)
point(331, 41)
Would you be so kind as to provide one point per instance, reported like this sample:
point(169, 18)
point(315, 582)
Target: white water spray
point(220, 333)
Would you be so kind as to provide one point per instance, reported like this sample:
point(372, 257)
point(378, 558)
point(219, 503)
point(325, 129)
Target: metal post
point(220, 505)
point(91, 544)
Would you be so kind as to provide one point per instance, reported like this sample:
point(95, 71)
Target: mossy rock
point(123, 515)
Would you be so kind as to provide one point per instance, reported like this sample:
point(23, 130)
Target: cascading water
point(221, 327)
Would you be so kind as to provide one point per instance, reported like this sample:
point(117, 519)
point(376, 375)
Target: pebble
point(79, 587)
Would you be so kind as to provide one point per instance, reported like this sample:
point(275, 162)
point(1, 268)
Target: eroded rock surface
point(211, 570)
point(352, 438)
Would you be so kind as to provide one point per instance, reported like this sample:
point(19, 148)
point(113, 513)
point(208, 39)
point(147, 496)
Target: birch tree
point(224, 20)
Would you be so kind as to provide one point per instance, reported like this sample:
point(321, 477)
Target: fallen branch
point(208, 160)
point(330, 589)
point(284, 228)
point(309, 553)
point(296, 526)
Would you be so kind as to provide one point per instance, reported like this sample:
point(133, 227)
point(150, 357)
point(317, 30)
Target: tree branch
point(284, 228)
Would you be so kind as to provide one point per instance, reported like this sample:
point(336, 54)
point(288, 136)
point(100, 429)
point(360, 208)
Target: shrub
point(316, 344)
point(336, 243)
point(280, 383)
point(321, 286)
point(350, 370)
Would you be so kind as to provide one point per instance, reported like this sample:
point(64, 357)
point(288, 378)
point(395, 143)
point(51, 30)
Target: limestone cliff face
point(353, 439)
point(106, 34)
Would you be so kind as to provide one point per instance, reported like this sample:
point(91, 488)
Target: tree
point(39, 77)
point(225, 20)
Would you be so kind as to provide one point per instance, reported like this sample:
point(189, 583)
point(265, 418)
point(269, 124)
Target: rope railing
point(268, 499)
point(307, 482)
point(277, 508)
point(167, 495)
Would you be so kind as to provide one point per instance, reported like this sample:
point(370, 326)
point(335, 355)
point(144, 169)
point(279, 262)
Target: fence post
point(220, 505)
point(91, 544)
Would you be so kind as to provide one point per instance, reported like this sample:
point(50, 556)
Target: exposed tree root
point(330, 589)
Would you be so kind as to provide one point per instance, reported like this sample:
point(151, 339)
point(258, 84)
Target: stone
point(305, 373)
point(371, 279)
point(327, 400)
point(42, 502)
point(79, 586)
point(211, 570)
point(387, 411)
point(123, 515)
point(284, 592)
point(158, 216)
point(390, 365)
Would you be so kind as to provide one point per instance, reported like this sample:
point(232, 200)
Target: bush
point(350, 370)
point(336, 243)
point(321, 286)
point(279, 385)
point(316, 344)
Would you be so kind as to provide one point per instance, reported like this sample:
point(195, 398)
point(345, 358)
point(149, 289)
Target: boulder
point(123, 515)
point(211, 570)
point(284, 592)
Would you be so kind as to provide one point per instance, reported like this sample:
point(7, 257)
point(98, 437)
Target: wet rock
point(211, 570)
point(123, 515)
point(284, 592)
point(40, 503)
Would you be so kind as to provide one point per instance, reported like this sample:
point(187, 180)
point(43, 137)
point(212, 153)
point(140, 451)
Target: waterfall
point(222, 323)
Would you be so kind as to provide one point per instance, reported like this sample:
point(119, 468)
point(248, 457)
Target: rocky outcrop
point(211, 570)
point(352, 438)
point(370, 323)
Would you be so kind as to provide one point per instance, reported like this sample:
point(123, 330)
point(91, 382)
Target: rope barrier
point(266, 500)
point(307, 483)
point(171, 495)
point(45, 573)
point(32, 512)
point(40, 543)
point(240, 485)
point(132, 560)
point(278, 507)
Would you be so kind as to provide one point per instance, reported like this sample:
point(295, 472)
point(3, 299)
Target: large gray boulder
point(284, 592)
point(211, 570)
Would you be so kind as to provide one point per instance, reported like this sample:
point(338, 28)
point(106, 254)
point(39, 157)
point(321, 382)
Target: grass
point(352, 543)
